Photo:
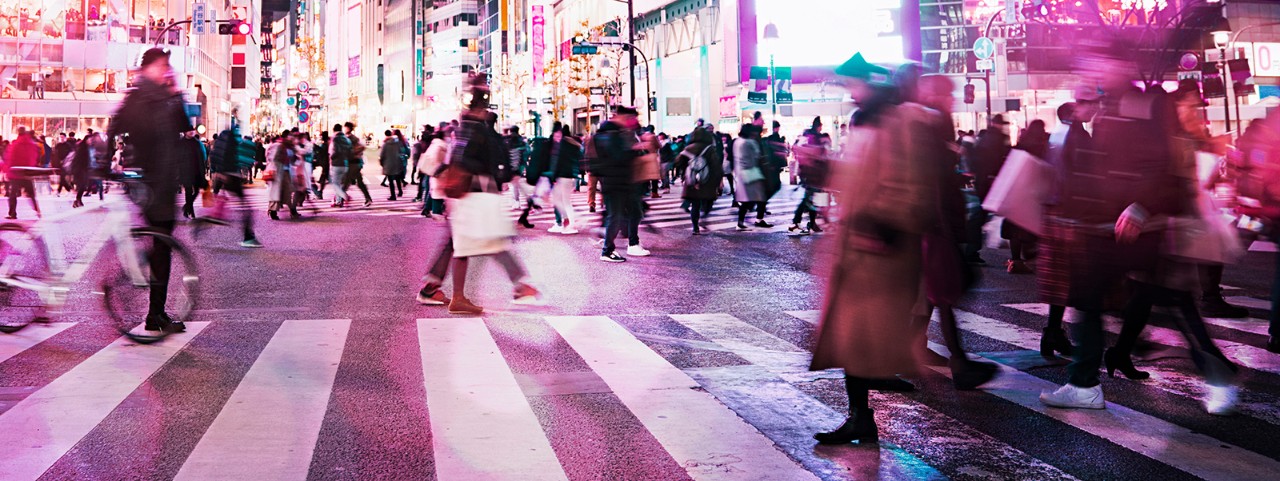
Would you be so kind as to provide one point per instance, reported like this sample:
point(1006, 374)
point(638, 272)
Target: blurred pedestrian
point(227, 162)
point(702, 177)
point(22, 152)
point(554, 164)
point(355, 164)
point(339, 158)
point(1053, 280)
point(284, 176)
point(1034, 141)
point(988, 157)
point(751, 188)
point(866, 322)
point(393, 157)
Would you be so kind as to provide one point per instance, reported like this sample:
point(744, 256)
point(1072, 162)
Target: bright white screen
point(821, 33)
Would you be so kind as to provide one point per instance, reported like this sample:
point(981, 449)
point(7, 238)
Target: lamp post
point(1221, 39)
point(770, 36)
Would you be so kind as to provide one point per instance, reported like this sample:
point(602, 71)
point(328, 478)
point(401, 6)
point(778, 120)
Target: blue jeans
point(336, 174)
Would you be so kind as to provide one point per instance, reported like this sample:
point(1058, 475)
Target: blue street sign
point(984, 48)
point(303, 117)
point(289, 101)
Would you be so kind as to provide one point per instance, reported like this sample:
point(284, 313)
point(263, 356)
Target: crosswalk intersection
point(664, 213)
point(524, 396)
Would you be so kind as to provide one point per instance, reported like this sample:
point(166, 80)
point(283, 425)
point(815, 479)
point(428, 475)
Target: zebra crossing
point(664, 213)
point(747, 415)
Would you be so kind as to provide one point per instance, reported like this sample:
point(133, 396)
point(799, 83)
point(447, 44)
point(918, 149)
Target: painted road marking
point(45, 425)
point(699, 432)
point(269, 426)
point(13, 344)
point(476, 407)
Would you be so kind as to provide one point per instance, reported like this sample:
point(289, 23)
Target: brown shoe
point(460, 305)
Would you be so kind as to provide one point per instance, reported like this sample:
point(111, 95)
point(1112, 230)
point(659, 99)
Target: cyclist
point(154, 117)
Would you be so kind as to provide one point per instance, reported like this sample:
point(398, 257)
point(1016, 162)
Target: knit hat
point(859, 68)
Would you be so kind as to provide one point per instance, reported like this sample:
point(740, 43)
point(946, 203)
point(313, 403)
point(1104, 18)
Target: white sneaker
point(1221, 400)
point(1072, 397)
point(569, 229)
point(637, 251)
point(556, 229)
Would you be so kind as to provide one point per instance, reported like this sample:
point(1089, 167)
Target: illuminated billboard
point(814, 36)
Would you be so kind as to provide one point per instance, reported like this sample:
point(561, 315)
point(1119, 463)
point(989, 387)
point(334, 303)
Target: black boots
point(162, 322)
point(1052, 340)
point(1116, 360)
point(968, 375)
point(860, 427)
point(1216, 306)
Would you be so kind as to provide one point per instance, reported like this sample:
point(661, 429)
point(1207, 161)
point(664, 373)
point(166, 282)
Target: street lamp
point(1221, 38)
point(770, 39)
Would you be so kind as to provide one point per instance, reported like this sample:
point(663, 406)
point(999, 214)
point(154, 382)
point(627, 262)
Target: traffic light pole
point(647, 85)
point(986, 81)
point(166, 30)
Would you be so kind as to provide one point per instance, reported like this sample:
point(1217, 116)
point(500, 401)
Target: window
point(237, 77)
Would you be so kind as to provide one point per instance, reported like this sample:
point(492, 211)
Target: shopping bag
point(1206, 237)
point(1020, 191)
point(481, 215)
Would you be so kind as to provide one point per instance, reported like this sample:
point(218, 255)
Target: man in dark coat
point(616, 152)
point(154, 117)
point(227, 162)
point(988, 157)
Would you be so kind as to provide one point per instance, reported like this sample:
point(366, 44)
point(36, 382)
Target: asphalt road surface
point(310, 359)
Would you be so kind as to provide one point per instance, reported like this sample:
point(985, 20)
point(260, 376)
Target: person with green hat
point(887, 203)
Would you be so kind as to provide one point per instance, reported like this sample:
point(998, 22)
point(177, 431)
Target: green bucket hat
point(859, 68)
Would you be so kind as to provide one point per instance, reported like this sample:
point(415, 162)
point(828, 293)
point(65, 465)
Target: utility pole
point(631, 39)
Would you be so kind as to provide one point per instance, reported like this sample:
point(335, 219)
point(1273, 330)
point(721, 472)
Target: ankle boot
point(968, 375)
point(860, 427)
point(1116, 360)
point(1052, 340)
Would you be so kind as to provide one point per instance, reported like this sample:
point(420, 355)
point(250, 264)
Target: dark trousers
point(1215, 366)
point(324, 178)
point(745, 207)
point(440, 266)
point(396, 183)
point(699, 209)
point(356, 177)
point(619, 204)
point(160, 259)
point(973, 232)
point(421, 180)
point(16, 187)
point(1211, 281)
point(806, 205)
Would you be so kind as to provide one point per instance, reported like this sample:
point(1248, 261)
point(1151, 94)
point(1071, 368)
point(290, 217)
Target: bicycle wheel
point(24, 275)
point(127, 299)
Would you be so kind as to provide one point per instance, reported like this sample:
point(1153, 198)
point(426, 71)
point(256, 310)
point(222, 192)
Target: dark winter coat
point(154, 118)
point(616, 154)
point(394, 157)
point(564, 167)
point(709, 190)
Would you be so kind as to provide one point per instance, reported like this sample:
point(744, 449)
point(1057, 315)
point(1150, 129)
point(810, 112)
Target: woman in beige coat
point(866, 325)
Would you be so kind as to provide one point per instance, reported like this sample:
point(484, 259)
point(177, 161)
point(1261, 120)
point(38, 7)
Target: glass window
point(72, 124)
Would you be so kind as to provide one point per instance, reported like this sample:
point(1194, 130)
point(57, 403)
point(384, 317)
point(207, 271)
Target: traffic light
point(969, 93)
point(235, 27)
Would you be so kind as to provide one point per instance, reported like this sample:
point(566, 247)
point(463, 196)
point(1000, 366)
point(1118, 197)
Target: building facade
point(66, 64)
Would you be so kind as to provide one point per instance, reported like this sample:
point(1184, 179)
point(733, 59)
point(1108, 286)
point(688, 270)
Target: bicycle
point(36, 278)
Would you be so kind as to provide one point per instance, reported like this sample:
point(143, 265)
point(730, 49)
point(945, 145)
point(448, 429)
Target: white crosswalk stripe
point(665, 212)
point(721, 422)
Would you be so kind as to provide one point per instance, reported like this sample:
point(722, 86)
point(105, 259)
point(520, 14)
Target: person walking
point(477, 159)
point(866, 323)
point(556, 160)
point(703, 171)
point(339, 158)
point(1116, 227)
point(432, 163)
point(1035, 141)
point(750, 189)
point(322, 163)
point(154, 117)
point(283, 176)
point(22, 152)
point(419, 148)
point(393, 158)
point(355, 164)
point(616, 152)
point(811, 168)
point(988, 157)
point(227, 163)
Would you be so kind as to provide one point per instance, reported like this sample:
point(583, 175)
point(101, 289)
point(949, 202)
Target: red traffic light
point(235, 27)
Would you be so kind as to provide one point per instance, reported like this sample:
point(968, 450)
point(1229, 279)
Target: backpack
point(699, 171)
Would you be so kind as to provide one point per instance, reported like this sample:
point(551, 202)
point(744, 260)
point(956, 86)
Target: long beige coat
point(866, 326)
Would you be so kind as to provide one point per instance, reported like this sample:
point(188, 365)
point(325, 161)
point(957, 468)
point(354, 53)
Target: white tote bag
point(1020, 191)
point(481, 215)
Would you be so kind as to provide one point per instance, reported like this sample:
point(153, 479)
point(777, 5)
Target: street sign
point(1193, 75)
point(531, 101)
point(546, 100)
point(199, 14)
point(289, 101)
point(984, 48)
point(304, 104)
point(304, 117)
point(585, 49)
point(987, 64)
point(1189, 61)
point(304, 87)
